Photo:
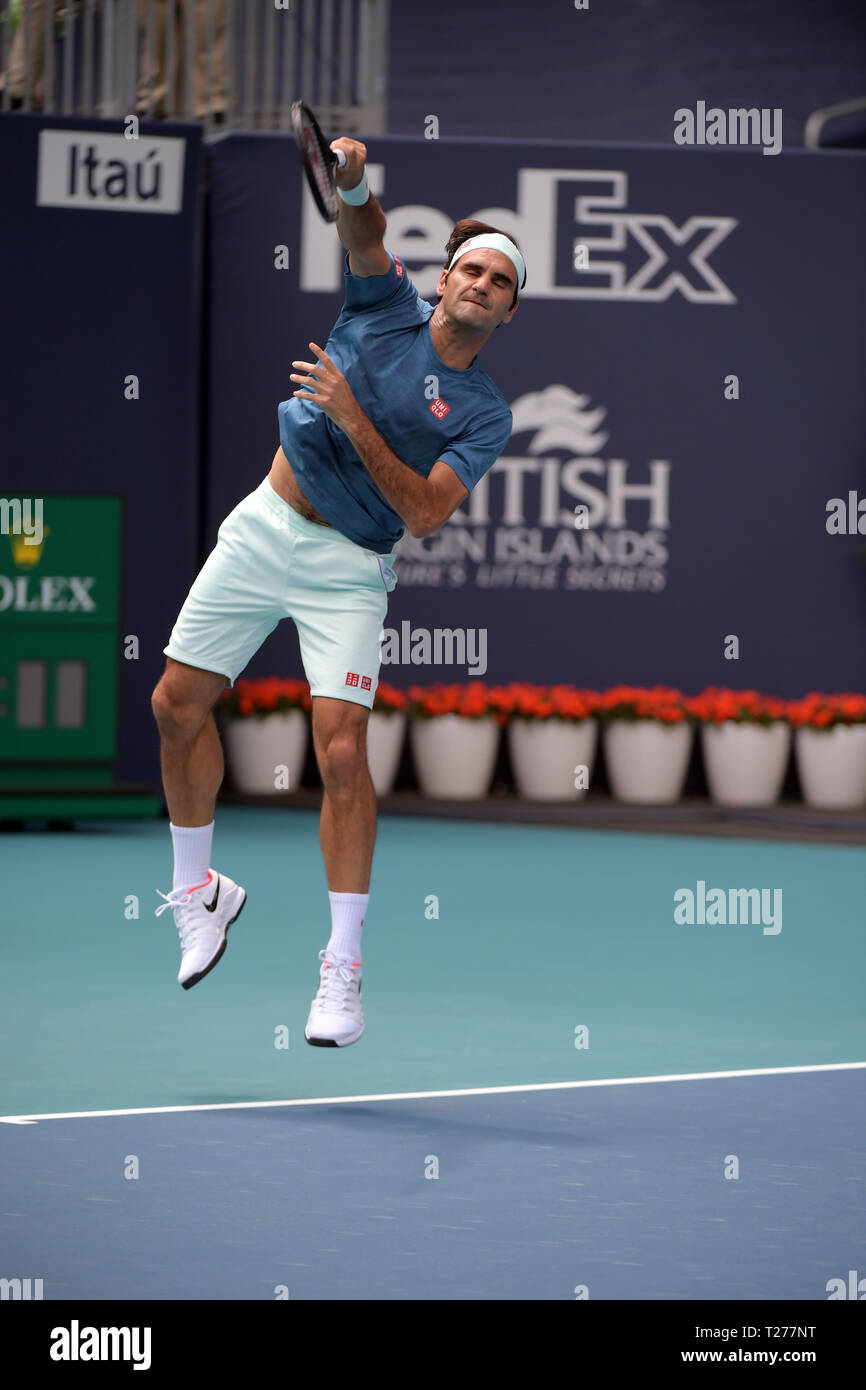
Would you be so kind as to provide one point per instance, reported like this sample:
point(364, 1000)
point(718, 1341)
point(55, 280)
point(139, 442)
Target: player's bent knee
point(343, 760)
point(171, 716)
point(180, 712)
point(177, 721)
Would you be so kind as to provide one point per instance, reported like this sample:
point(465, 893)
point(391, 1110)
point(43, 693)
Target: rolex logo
point(26, 553)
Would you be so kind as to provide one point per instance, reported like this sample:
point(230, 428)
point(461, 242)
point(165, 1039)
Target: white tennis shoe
point(336, 1018)
point(203, 915)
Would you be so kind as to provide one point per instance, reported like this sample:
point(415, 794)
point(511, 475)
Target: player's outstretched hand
point(327, 387)
point(352, 171)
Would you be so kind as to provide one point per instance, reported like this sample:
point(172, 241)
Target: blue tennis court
point(610, 1192)
point(258, 1167)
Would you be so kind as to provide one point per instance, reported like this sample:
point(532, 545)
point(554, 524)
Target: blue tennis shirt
point(381, 343)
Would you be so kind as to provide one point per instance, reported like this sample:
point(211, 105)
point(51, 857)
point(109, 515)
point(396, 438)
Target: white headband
point(496, 242)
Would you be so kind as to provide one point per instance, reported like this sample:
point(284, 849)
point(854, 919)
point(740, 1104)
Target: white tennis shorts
point(270, 563)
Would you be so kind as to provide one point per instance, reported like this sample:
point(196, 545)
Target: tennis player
point(390, 426)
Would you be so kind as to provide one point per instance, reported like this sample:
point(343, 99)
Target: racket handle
point(340, 156)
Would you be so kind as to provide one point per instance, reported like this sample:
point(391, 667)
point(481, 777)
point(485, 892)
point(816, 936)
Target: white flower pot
point(257, 750)
point(454, 757)
point(384, 746)
point(831, 764)
point(545, 753)
point(647, 760)
point(746, 763)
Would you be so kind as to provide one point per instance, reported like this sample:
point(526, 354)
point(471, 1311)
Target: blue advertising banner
point(685, 371)
point(101, 293)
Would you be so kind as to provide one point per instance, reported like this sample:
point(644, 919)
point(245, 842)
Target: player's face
point(477, 292)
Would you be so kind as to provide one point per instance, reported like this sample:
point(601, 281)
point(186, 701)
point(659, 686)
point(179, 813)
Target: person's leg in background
point(29, 39)
point(210, 96)
point(152, 76)
point(204, 96)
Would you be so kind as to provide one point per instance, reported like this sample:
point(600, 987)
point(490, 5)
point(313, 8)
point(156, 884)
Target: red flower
point(817, 711)
point(716, 705)
point(660, 702)
point(520, 700)
point(267, 695)
point(473, 701)
point(388, 699)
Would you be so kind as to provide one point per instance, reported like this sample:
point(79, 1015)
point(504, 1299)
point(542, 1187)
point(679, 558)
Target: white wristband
point(357, 195)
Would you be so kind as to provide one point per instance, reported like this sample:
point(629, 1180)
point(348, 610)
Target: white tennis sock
point(191, 854)
point(347, 919)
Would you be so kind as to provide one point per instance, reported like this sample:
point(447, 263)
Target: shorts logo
point(352, 678)
point(439, 408)
point(398, 266)
point(366, 682)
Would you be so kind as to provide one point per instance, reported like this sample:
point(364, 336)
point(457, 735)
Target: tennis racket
point(319, 161)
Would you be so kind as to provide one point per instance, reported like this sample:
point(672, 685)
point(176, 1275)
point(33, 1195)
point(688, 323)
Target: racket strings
point(320, 157)
point(318, 160)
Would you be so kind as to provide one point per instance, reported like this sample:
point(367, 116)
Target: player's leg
point(339, 600)
point(347, 827)
point(234, 603)
point(205, 903)
point(191, 753)
point(347, 834)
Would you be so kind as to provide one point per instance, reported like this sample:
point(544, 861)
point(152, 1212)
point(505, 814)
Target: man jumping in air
point(364, 452)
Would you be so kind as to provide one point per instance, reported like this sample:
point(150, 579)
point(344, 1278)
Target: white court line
point(430, 1095)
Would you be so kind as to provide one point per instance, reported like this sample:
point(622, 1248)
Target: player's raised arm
point(361, 221)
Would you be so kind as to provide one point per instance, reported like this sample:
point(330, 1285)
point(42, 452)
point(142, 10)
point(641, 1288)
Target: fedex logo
point(625, 255)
